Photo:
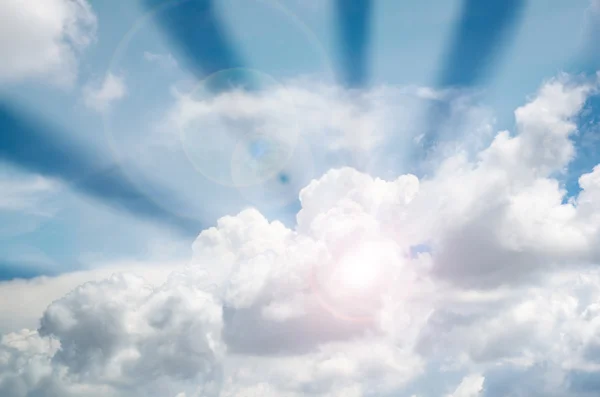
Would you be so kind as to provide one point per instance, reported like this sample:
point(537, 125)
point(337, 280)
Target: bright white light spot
point(360, 268)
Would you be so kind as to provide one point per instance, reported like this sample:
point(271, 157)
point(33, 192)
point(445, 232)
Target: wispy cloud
point(24, 192)
point(101, 97)
point(166, 61)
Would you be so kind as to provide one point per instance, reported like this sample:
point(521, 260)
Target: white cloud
point(220, 132)
point(270, 142)
point(124, 331)
point(504, 301)
point(101, 96)
point(470, 386)
point(24, 192)
point(41, 39)
point(26, 300)
point(166, 61)
point(26, 200)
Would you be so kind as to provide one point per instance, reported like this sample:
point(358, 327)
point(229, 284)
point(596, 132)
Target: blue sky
point(405, 43)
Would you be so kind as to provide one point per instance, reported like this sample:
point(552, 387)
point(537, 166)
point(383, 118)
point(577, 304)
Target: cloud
point(101, 97)
point(508, 219)
point(24, 192)
point(262, 145)
point(166, 61)
point(160, 335)
point(470, 386)
point(245, 137)
point(30, 198)
point(33, 295)
point(503, 300)
point(42, 39)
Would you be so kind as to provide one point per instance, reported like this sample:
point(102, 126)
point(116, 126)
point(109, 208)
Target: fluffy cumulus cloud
point(29, 298)
point(41, 39)
point(477, 280)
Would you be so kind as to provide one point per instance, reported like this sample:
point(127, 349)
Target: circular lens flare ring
point(232, 135)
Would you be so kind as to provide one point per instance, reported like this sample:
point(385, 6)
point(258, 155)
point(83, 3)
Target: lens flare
point(359, 270)
point(236, 133)
point(351, 286)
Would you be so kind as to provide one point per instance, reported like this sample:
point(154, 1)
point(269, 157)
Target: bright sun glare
point(359, 269)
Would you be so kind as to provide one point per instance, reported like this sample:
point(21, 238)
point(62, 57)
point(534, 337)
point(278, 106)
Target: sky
point(338, 198)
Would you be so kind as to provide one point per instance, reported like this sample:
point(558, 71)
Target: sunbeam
point(481, 32)
point(194, 28)
point(32, 146)
point(354, 30)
